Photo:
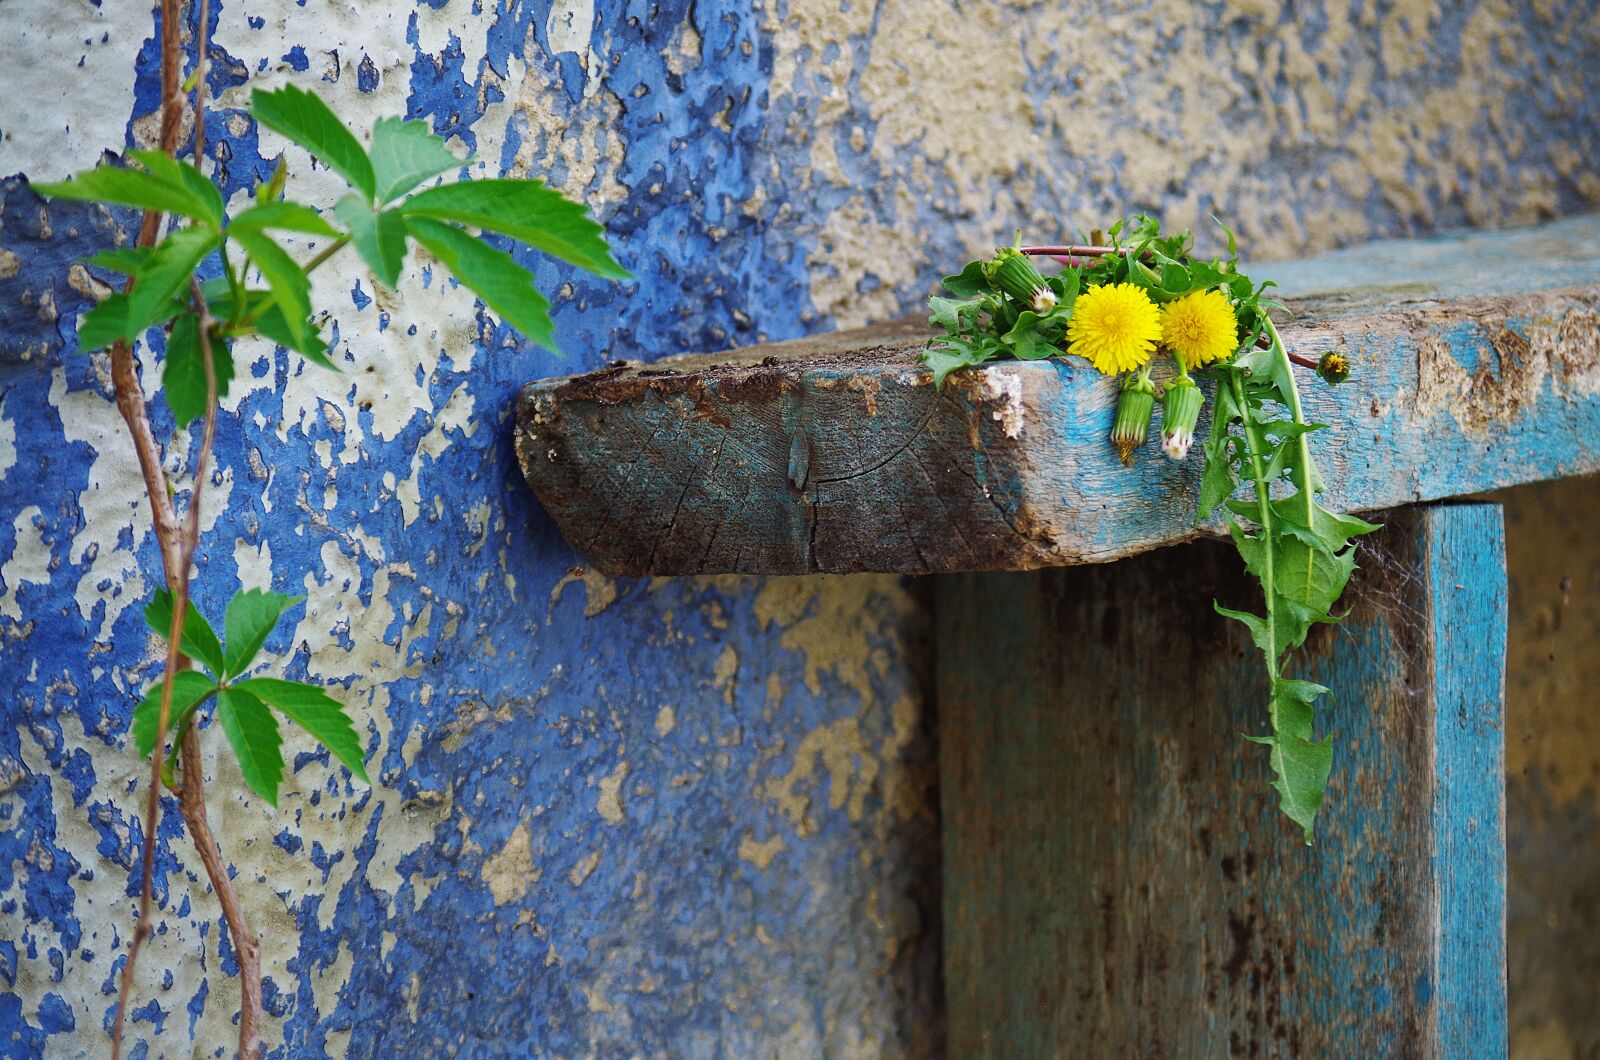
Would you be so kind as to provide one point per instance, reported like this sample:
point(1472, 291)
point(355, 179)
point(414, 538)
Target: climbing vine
point(199, 278)
point(1118, 303)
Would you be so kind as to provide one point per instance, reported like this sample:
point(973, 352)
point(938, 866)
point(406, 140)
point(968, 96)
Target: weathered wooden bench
point(1117, 881)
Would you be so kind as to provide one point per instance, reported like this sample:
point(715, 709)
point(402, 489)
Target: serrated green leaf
point(316, 712)
point(498, 281)
point(1302, 768)
point(971, 282)
point(406, 153)
point(307, 342)
point(123, 260)
point(291, 288)
point(128, 187)
point(285, 217)
point(105, 324)
point(1259, 630)
point(199, 641)
point(379, 237)
point(1030, 338)
point(183, 373)
point(189, 690)
point(1218, 480)
point(307, 121)
point(162, 275)
point(252, 731)
point(267, 320)
point(1066, 284)
point(527, 211)
point(187, 175)
point(955, 314)
point(251, 616)
point(1318, 526)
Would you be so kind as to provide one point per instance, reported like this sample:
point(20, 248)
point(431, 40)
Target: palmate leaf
point(284, 216)
point(307, 121)
point(251, 616)
point(291, 288)
point(199, 641)
point(162, 275)
point(130, 187)
point(269, 321)
point(186, 175)
point(406, 153)
point(124, 260)
point(252, 731)
point(502, 284)
point(189, 690)
point(314, 711)
point(527, 211)
point(378, 236)
point(183, 372)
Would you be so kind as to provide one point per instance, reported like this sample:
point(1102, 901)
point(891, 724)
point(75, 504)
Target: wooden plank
point(1118, 881)
point(836, 454)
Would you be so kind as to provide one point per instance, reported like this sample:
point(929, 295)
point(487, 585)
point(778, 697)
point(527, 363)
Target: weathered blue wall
point(662, 818)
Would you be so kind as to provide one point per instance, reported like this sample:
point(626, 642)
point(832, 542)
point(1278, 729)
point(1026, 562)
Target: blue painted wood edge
point(836, 454)
point(1465, 565)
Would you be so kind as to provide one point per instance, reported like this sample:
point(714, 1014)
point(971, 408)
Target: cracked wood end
point(836, 454)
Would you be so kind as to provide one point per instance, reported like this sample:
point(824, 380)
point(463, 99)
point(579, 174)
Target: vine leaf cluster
point(217, 277)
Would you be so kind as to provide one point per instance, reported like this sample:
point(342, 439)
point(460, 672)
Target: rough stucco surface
point(679, 818)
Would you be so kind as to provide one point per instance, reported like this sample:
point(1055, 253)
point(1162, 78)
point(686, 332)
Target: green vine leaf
point(126, 186)
point(291, 287)
point(284, 216)
point(182, 173)
point(492, 275)
point(251, 616)
point(183, 372)
point(162, 275)
point(308, 122)
point(527, 211)
point(379, 236)
point(316, 712)
point(199, 641)
point(253, 734)
point(406, 153)
point(190, 689)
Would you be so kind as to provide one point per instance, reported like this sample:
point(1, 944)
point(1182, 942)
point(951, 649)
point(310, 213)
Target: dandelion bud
point(1334, 367)
point(1014, 273)
point(1135, 405)
point(1180, 409)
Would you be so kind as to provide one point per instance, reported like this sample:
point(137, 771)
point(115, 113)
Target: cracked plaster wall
point(687, 818)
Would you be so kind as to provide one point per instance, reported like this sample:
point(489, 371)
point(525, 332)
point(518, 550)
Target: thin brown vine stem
point(178, 545)
point(130, 399)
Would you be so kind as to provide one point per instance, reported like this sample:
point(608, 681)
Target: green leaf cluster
point(1302, 553)
point(983, 322)
point(255, 286)
point(245, 707)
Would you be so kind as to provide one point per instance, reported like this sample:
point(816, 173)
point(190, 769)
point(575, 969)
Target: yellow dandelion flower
point(1115, 326)
point(1200, 327)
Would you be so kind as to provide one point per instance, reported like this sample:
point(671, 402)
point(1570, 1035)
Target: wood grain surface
point(837, 454)
point(1118, 881)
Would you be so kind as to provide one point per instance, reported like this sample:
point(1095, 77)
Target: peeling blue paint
point(659, 922)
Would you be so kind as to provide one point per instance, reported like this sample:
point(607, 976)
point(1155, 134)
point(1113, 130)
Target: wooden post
point(1118, 882)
